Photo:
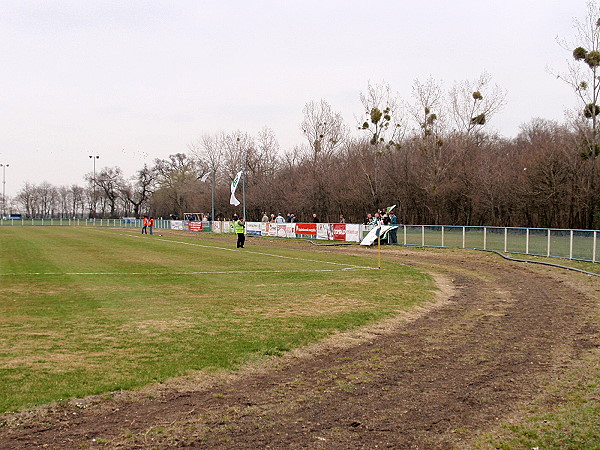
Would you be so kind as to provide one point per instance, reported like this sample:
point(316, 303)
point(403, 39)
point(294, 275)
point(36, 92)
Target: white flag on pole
point(234, 201)
point(204, 177)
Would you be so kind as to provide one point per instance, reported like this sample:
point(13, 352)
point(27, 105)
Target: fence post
point(571, 245)
point(442, 235)
point(548, 246)
point(594, 247)
point(527, 241)
point(485, 238)
point(422, 235)
point(505, 239)
point(464, 235)
point(404, 234)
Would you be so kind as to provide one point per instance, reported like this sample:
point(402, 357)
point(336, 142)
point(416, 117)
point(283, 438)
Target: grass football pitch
point(86, 311)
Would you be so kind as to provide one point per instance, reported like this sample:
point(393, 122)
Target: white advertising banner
point(281, 229)
point(325, 231)
point(253, 228)
point(290, 230)
point(271, 229)
point(352, 232)
point(177, 225)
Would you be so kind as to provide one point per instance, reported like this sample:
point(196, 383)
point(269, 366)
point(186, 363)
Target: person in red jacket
point(151, 224)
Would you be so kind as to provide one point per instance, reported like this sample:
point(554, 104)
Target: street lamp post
point(4, 166)
point(94, 158)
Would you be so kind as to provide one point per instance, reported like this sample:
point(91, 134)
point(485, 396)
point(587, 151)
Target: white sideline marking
point(181, 273)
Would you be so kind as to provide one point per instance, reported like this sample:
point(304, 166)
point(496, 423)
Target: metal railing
point(559, 243)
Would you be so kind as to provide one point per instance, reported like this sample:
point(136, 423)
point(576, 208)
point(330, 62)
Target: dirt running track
point(499, 332)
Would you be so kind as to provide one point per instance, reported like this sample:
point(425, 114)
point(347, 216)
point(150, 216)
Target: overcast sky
point(132, 81)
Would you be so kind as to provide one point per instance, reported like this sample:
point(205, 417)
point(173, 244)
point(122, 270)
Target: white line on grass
point(249, 251)
point(207, 272)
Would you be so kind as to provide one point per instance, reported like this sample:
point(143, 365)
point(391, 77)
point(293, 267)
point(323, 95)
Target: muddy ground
point(499, 332)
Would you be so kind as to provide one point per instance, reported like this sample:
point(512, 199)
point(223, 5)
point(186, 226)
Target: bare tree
point(473, 103)
point(427, 107)
point(582, 73)
point(109, 181)
point(177, 184)
point(323, 128)
point(383, 122)
point(583, 76)
point(208, 151)
point(140, 189)
point(78, 200)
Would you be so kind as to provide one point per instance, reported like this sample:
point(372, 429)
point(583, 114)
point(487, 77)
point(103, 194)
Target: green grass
point(569, 422)
point(85, 311)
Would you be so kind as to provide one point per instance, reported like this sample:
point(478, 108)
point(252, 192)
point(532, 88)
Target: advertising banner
point(290, 230)
point(271, 229)
point(281, 229)
point(195, 225)
point(253, 228)
point(177, 225)
point(306, 229)
point(325, 231)
point(339, 231)
point(352, 232)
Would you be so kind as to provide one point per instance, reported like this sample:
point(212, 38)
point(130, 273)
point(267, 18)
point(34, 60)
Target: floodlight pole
point(94, 158)
point(4, 166)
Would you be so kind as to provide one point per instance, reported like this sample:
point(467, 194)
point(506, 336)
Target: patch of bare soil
point(431, 380)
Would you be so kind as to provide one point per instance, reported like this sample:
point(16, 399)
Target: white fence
point(561, 243)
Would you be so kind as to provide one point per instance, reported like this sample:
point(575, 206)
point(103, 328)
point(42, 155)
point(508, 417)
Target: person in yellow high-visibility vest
point(239, 227)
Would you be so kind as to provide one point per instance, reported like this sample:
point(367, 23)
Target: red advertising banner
point(339, 231)
point(195, 225)
point(306, 228)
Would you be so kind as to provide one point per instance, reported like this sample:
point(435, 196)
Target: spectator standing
point(279, 219)
point(265, 218)
point(239, 227)
point(151, 225)
point(315, 219)
point(394, 232)
point(145, 225)
point(342, 219)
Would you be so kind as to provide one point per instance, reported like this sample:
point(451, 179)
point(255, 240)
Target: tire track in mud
point(429, 382)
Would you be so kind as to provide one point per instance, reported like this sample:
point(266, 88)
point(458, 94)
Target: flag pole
point(244, 181)
point(379, 250)
point(212, 198)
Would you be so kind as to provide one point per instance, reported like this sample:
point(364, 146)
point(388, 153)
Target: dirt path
point(430, 381)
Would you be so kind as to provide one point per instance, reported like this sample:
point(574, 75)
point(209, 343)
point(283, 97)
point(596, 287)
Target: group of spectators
point(290, 218)
point(383, 217)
